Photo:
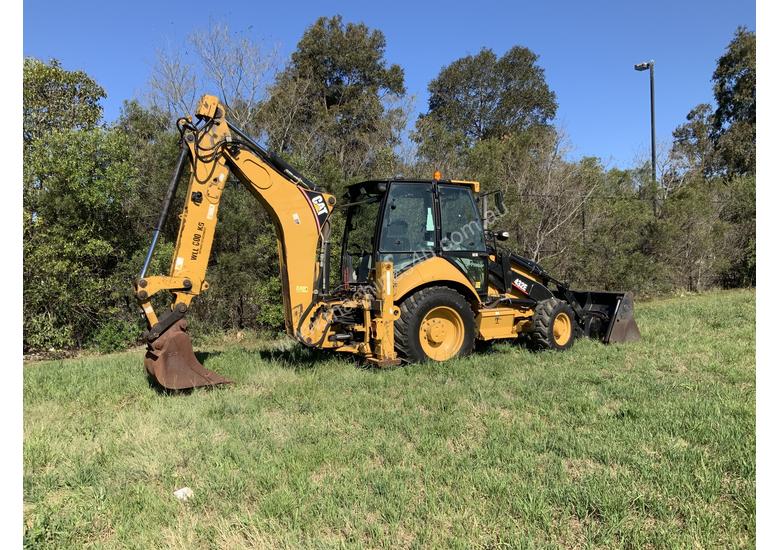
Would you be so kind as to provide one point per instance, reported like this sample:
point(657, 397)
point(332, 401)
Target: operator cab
point(409, 221)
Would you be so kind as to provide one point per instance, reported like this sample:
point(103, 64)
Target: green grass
point(638, 445)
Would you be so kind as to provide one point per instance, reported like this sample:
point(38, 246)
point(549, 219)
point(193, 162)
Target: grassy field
point(637, 445)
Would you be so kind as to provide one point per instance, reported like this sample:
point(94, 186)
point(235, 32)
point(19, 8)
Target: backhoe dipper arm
point(298, 210)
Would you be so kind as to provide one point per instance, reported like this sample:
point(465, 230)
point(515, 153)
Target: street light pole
point(643, 67)
point(652, 114)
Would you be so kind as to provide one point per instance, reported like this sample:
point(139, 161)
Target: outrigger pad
point(171, 362)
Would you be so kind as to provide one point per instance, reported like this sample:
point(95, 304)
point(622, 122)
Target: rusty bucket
point(172, 364)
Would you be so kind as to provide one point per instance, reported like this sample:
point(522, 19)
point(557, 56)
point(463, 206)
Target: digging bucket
point(171, 362)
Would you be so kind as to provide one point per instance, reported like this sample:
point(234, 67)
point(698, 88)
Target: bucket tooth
point(171, 362)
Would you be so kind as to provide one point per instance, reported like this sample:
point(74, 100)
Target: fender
point(436, 270)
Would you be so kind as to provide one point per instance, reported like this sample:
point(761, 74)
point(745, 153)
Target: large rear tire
point(436, 324)
point(554, 326)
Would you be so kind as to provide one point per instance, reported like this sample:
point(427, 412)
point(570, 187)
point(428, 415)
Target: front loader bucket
point(171, 362)
point(613, 320)
point(623, 327)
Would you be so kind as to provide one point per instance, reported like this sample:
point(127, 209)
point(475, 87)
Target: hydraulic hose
point(273, 159)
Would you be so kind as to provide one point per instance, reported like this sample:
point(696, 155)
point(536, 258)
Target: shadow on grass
point(296, 356)
point(299, 357)
point(155, 385)
point(203, 357)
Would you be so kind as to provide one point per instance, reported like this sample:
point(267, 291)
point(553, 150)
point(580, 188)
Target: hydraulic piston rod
point(166, 206)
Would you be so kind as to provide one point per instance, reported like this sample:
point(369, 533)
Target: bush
point(41, 333)
point(115, 335)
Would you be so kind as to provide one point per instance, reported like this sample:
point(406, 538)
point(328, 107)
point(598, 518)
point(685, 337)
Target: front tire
point(554, 326)
point(436, 324)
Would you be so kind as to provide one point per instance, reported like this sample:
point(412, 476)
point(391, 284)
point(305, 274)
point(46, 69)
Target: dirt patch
point(577, 468)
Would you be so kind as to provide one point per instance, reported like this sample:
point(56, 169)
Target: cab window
point(461, 227)
point(357, 255)
point(408, 229)
point(408, 225)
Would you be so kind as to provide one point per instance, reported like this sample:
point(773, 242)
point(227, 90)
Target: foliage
point(116, 334)
point(722, 142)
point(481, 96)
point(690, 233)
point(57, 99)
point(336, 104)
point(715, 153)
point(345, 62)
point(693, 151)
point(739, 243)
point(734, 120)
point(76, 233)
point(243, 259)
point(614, 251)
point(224, 63)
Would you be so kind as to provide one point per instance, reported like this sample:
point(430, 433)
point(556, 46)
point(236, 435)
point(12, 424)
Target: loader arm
point(298, 210)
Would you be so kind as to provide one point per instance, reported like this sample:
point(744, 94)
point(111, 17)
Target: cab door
point(461, 236)
point(407, 229)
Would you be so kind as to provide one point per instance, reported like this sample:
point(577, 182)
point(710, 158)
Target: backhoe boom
point(298, 210)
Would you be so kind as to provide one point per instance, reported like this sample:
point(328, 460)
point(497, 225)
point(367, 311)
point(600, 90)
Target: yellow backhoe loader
point(421, 277)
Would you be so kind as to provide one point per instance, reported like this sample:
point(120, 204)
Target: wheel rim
point(442, 333)
point(561, 329)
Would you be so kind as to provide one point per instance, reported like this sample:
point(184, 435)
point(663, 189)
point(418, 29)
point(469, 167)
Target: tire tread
point(409, 307)
point(540, 336)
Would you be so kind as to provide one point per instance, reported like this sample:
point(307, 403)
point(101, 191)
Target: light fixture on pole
point(643, 67)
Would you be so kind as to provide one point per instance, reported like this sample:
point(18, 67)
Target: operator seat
point(397, 236)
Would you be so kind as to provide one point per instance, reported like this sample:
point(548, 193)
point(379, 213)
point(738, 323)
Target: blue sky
point(587, 49)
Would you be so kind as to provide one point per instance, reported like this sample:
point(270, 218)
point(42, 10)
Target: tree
point(723, 141)
point(57, 99)
point(337, 109)
point(544, 194)
point(346, 62)
point(481, 96)
point(81, 199)
point(439, 149)
point(693, 150)
point(714, 157)
point(220, 62)
point(734, 120)
point(76, 235)
point(739, 244)
point(616, 249)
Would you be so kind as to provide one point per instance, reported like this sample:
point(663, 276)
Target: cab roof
point(378, 187)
